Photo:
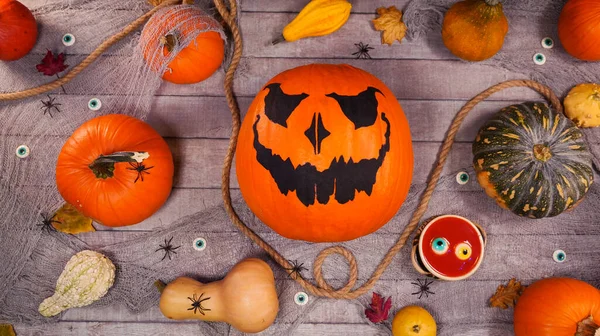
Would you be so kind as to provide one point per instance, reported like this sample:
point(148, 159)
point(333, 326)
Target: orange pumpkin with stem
point(324, 153)
point(18, 30)
point(558, 307)
point(579, 29)
point(184, 43)
point(115, 169)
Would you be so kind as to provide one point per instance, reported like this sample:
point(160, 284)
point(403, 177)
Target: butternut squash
point(317, 18)
point(246, 298)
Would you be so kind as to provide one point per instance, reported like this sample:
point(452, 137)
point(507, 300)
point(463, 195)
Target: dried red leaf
point(379, 308)
point(51, 65)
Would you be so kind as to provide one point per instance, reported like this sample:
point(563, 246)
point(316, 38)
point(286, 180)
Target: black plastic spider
point(363, 51)
point(168, 248)
point(423, 288)
point(47, 222)
point(296, 269)
point(197, 304)
point(140, 169)
point(49, 105)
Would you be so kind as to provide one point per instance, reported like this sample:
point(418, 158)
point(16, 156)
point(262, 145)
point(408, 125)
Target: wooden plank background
point(430, 84)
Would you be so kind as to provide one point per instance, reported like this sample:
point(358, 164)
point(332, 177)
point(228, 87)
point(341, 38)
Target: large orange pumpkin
point(324, 153)
point(18, 30)
point(557, 307)
point(98, 173)
point(195, 37)
point(579, 29)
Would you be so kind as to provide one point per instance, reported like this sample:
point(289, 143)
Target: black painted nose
point(316, 132)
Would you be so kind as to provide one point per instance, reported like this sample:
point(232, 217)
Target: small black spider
point(168, 248)
point(47, 222)
point(140, 169)
point(363, 51)
point(423, 288)
point(197, 304)
point(49, 105)
point(296, 269)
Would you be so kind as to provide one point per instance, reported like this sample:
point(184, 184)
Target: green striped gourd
point(532, 160)
point(86, 278)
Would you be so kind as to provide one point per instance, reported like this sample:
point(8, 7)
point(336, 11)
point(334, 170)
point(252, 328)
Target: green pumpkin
point(532, 160)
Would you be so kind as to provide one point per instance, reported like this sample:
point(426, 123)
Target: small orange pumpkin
point(115, 169)
point(474, 30)
point(18, 30)
point(558, 307)
point(324, 153)
point(579, 29)
point(192, 34)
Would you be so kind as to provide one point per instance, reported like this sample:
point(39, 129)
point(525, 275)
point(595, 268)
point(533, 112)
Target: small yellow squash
point(246, 298)
point(317, 18)
point(582, 105)
point(413, 321)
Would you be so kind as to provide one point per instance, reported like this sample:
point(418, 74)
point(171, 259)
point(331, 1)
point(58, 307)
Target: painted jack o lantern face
point(451, 247)
point(324, 154)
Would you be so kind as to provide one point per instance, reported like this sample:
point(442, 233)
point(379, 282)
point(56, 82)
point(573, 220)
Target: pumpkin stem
point(492, 2)
point(542, 152)
point(588, 327)
point(278, 40)
point(416, 328)
point(104, 166)
point(170, 41)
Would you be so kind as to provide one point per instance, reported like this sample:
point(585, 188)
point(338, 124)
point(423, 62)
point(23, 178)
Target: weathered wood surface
point(431, 86)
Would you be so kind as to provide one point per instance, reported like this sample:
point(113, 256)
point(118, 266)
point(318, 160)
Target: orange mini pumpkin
point(18, 30)
point(558, 307)
point(324, 153)
point(115, 169)
point(579, 29)
point(186, 30)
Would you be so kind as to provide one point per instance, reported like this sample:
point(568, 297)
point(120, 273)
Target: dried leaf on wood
point(7, 330)
point(506, 296)
point(390, 24)
point(69, 220)
point(379, 308)
point(51, 65)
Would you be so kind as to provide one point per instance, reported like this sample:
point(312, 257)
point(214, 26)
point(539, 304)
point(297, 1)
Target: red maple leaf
point(379, 308)
point(51, 65)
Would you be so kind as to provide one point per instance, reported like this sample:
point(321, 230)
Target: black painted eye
point(279, 105)
point(360, 109)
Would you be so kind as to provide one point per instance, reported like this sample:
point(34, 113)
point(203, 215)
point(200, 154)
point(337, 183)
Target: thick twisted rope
point(89, 59)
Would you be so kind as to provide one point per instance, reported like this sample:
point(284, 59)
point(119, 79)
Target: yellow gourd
point(246, 298)
point(413, 321)
point(582, 105)
point(317, 18)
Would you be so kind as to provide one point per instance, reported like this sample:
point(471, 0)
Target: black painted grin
point(343, 178)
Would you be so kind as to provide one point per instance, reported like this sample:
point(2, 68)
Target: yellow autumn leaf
point(390, 24)
point(6, 330)
point(69, 220)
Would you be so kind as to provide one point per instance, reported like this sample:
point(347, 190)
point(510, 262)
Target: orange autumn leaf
point(506, 296)
point(6, 330)
point(390, 24)
point(69, 220)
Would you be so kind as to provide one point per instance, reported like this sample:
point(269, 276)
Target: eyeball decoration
point(539, 59)
point(22, 151)
point(94, 104)
point(448, 247)
point(559, 256)
point(462, 177)
point(199, 244)
point(68, 39)
point(547, 43)
point(301, 298)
